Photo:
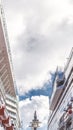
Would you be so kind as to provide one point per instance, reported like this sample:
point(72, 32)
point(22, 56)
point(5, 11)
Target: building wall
point(7, 81)
point(56, 114)
point(55, 121)
point(2, 100)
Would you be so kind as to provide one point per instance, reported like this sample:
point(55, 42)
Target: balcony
point(11, 98)
point(11, 109)
point(9, 103)
point(13, 116)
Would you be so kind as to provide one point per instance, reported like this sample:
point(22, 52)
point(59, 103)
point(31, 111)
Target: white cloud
point(40, 36)
point(27, 108)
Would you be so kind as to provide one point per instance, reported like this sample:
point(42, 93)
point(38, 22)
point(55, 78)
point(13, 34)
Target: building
point(61, 101)
point(7, 81)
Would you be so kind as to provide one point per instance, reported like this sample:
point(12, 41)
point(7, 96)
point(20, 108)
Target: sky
point(41, 37)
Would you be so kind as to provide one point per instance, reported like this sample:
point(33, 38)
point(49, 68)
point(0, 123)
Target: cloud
point(38, 103)
point(45, 90)
point(38, 16)
point(36, 55)
point(41, 38)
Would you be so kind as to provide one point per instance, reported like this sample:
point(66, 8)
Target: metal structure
point(35, 122)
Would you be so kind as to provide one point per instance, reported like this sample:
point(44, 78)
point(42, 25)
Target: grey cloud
point(39, 53)
point(42, 45)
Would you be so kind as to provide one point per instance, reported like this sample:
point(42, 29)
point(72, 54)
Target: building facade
point(61, 101)
point(7, 82)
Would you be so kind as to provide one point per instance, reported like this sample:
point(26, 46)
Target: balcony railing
point(11, 98)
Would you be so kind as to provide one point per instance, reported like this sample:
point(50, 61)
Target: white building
point(7, 82)
point(61, 101)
